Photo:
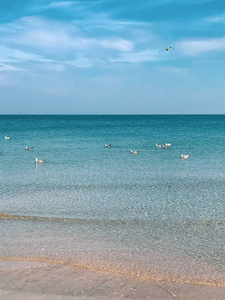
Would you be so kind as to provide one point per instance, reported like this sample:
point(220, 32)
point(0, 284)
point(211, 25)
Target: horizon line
point(162, 114)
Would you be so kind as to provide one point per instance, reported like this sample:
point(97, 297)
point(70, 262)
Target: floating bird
point(169, 48)
point(168, 144)
point(7, 137)
point(108, 146)
point(1, 152)
point(158, 146)
point(133, 152)
point(185, 156)
point(31, 148)
point(39, 161)
point(165, 147)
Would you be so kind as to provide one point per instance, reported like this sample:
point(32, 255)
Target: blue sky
point(109, 57)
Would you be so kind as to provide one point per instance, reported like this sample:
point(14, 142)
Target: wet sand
point(39, 280)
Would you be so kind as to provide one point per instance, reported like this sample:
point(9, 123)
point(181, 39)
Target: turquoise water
point(151, 213)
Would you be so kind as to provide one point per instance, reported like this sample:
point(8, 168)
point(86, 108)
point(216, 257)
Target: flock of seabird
point(167, 145)
point(163, 146)
point(37, 161)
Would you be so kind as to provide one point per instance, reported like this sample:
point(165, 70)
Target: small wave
point(64, 220)
point(110, 221)
point(99, 268)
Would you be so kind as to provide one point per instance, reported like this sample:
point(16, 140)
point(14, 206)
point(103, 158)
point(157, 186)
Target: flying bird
point(169, 48)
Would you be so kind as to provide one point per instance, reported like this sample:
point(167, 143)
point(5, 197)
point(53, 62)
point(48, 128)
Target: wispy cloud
point(54, 5)
point(60, 4)
point(48, 36)
point(80, 62)
point(214, 19)
point(197, 47)
point(51, 41)
point(58, 43)
point(56, 67)
point(104, 22)
point(5, 67)
point(10, 55)
point(138, 57)
point(116, 44)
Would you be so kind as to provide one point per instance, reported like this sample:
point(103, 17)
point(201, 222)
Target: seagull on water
point(7, 137)
point(108, 146)
point(169, 48)
point(1, 152)
point(185, 156)
point(39, 161)
point(133, 152)
point(31, 148)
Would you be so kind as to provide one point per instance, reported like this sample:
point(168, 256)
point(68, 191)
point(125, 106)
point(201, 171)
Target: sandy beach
point(38, 280)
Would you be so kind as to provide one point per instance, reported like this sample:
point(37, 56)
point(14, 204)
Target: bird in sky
point(169, 48)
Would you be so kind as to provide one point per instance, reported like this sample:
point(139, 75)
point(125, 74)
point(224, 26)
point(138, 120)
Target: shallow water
point(152, 215)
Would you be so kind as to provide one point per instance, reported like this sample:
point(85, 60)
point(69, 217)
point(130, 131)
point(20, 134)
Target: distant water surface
point(150, 214)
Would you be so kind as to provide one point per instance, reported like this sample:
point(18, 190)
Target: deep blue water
point(139, 212)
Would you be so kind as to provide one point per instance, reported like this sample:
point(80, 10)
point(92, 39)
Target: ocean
point(151, 215)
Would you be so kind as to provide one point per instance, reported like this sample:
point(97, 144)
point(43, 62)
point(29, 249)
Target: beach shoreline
point(43, 280)
point(97, 223)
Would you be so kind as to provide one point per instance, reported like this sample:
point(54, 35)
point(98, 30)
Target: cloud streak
point(53, 36)
point(198, 47)
point(54, 5)
point(138, 57)
point(44, 41)
point(214, 19)
point(6, 67)
point(10, 55)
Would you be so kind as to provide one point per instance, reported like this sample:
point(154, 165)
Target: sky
point(109, 57)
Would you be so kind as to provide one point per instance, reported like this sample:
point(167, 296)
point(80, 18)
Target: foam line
point(100, 268)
